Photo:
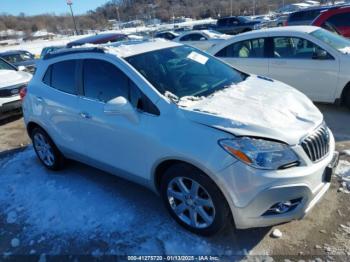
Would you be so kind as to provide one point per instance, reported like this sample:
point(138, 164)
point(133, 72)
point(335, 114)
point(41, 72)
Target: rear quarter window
point(61, 76)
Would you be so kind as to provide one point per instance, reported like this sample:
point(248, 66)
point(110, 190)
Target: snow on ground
point(84, 204)
point(343, 174)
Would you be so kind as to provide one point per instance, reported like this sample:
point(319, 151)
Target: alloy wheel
point(191, 203)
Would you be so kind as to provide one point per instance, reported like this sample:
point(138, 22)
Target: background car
point(305, 16)
point(49, 49)
point(335, 18)
point(11, 82)
point(20, 58)
point(236, 24)
point(202, 39)
point(168, 35)
point(309, 58)
point(99, 39)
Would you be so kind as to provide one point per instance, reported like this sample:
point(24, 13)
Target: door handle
point(85, 115)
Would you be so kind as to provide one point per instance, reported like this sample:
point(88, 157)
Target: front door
point(293, 62)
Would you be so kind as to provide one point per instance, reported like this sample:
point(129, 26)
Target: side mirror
point(320, 54)
point(21, 68)
point(121, 106)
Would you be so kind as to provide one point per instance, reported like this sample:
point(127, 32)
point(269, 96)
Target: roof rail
point(69, 51)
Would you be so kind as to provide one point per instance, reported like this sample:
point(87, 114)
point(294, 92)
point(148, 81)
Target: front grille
point(316, 145)
point(11, 90)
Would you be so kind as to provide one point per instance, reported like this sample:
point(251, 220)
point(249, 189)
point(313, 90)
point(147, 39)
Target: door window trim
point(80, 86)
point(272, 49)
point(76, 77)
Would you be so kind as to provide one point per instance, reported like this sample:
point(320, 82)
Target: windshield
point(17, 58)
point(336, 41)
point(185, 71)
point(5, 66)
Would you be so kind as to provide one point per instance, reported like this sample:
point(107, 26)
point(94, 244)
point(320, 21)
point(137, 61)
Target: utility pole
point(231, 7)
point(118, 17)
point(70, 3)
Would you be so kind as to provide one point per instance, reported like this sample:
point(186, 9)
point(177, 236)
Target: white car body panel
point(320, 80)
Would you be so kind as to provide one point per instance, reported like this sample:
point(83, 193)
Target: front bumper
point(10, 104)
point(251, 192)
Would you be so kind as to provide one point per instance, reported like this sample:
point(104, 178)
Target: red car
point(335, 19)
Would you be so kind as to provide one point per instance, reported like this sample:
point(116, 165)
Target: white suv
point(215, 143)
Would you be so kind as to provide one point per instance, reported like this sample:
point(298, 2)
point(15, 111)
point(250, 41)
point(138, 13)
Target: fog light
point(283, 207)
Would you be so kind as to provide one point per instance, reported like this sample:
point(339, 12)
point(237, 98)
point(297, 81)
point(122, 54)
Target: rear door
point(59, 106)
point(293, 62)
point(247, 55)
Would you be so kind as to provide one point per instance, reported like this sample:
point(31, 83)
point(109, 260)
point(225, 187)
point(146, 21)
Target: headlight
point(259, 153)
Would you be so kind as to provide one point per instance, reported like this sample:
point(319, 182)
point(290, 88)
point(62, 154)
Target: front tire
point(46, 150)
point(193, 200)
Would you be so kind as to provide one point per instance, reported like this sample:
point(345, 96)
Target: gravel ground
point(324, 233)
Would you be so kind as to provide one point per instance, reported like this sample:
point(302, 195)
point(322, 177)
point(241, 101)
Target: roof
point(131, 48)
point(12, 52)
point(298, 29)
point(96, 39)
point(120, 49)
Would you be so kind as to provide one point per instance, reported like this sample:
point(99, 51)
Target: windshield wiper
point(171, 96)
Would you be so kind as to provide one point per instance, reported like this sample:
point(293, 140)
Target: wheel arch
point(167, 163)
point(345, 90)
point(30, 127)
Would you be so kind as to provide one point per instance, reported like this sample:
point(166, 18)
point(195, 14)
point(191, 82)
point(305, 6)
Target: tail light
point(23, 92)
point(285, 23)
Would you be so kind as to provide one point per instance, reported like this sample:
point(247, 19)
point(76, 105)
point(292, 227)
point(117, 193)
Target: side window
point(253, 48)
point(339, 20)
point(103, 81)
point(193, 37)
point(294, 48)
point(61, 76)
point(140, 101)
point(47, 77)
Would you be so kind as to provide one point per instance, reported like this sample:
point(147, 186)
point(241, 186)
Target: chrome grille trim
point(316, 145)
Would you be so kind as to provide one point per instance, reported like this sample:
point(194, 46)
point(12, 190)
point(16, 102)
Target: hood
point(258, 107)
point(12, 77)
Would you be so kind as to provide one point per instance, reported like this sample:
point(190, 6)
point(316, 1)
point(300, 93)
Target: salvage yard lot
point(85, 211)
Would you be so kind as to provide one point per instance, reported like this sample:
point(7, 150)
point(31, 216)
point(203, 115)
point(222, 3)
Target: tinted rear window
point(304, 15)
point(340, 20)
point(61, 76)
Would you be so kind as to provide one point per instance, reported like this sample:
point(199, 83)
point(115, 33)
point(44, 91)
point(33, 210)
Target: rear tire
point(46, 150)
point(193, 200)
